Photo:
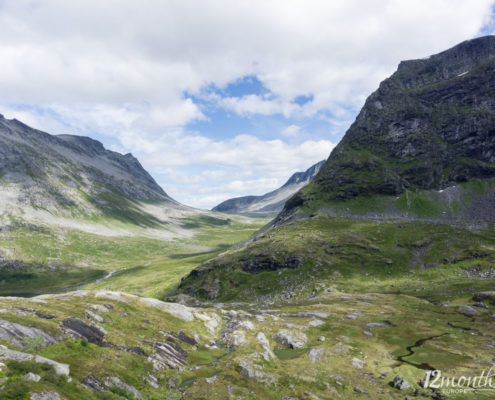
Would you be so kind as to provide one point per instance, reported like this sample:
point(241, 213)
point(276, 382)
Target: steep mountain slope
point(430, 126)
point(273, 202)
point(420, 158)
point(71, 176)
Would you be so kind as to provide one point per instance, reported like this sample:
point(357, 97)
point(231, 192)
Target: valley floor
point(332, 328)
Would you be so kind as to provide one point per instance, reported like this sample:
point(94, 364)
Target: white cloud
point(121, 67)
point(291, 130)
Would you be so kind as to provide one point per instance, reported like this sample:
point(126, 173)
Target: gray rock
point(306, 314)
point(357, 389)
point(116, 382)
point(31, 377)
point(321, 339)
point(400, 383)
point(249, 370)
point(211, 379)
point(316, 322)
point(263, 341)
point(100, 308)
point(45, 396)
point(91, 382)
point(14, 334)
point(80, 329)
point(8, 354)
point(292, 339)
point(315, 355)
point(466, 310)
point(167, 356)
point(172, 383)
point(483, 296)
point(356, 362)
point(152, 381)
point(92, 315)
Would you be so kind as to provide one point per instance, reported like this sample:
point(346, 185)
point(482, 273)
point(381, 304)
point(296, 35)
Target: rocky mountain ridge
point(273, 202)
point(430, 126)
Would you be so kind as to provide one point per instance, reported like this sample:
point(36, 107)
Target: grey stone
point(292, 339)
point(45, 396)
point(356, 362)
point(8, 354)
point(14, 333)
point(116, 382)
point(93, 383)
point(400, 383)
point(466, 310)
point(31, 377)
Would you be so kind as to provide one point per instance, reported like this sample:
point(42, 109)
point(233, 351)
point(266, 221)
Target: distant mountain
point(59, 179)
point(273, 202)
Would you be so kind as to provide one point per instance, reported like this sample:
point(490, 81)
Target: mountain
point(428, 127)
point(410, 186)
point(51, 178)
point(357, 290)
point(273, 202)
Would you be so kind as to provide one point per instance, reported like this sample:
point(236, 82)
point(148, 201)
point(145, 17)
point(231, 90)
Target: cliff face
point(428, 126)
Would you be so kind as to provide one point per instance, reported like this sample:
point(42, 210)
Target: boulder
point(249, 370)
point(30, 377)
point(484, 296)
point(316, 322)
point(466, 310)
point(292, 339)
point(356, 362)
point(400, 383)
point(265, 344)
point(316, 355)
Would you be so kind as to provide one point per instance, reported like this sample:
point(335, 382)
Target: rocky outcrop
point(167, 356)
point(8, 354)
point(270, 204)
point(15, 333)
point(484, 296)
point(80, 329)
point(117, 383)
point(292, 339)
point(267, 262)
point(46, 395)
point(91, 382)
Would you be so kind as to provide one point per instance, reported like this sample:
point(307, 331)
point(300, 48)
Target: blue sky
point(215, 100)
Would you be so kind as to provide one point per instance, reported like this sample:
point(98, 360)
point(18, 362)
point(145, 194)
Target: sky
point(216, 98)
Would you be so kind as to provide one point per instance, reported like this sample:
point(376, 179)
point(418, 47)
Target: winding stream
point(419, 343)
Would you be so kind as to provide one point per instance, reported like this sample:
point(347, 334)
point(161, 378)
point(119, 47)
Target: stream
point(106, 276)
point(420, 342)
point(410, 350)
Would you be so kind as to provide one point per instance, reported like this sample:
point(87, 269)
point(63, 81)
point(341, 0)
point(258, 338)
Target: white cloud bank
point(120, 68)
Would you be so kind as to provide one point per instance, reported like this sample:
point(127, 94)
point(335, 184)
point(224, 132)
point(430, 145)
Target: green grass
point(55, 260)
